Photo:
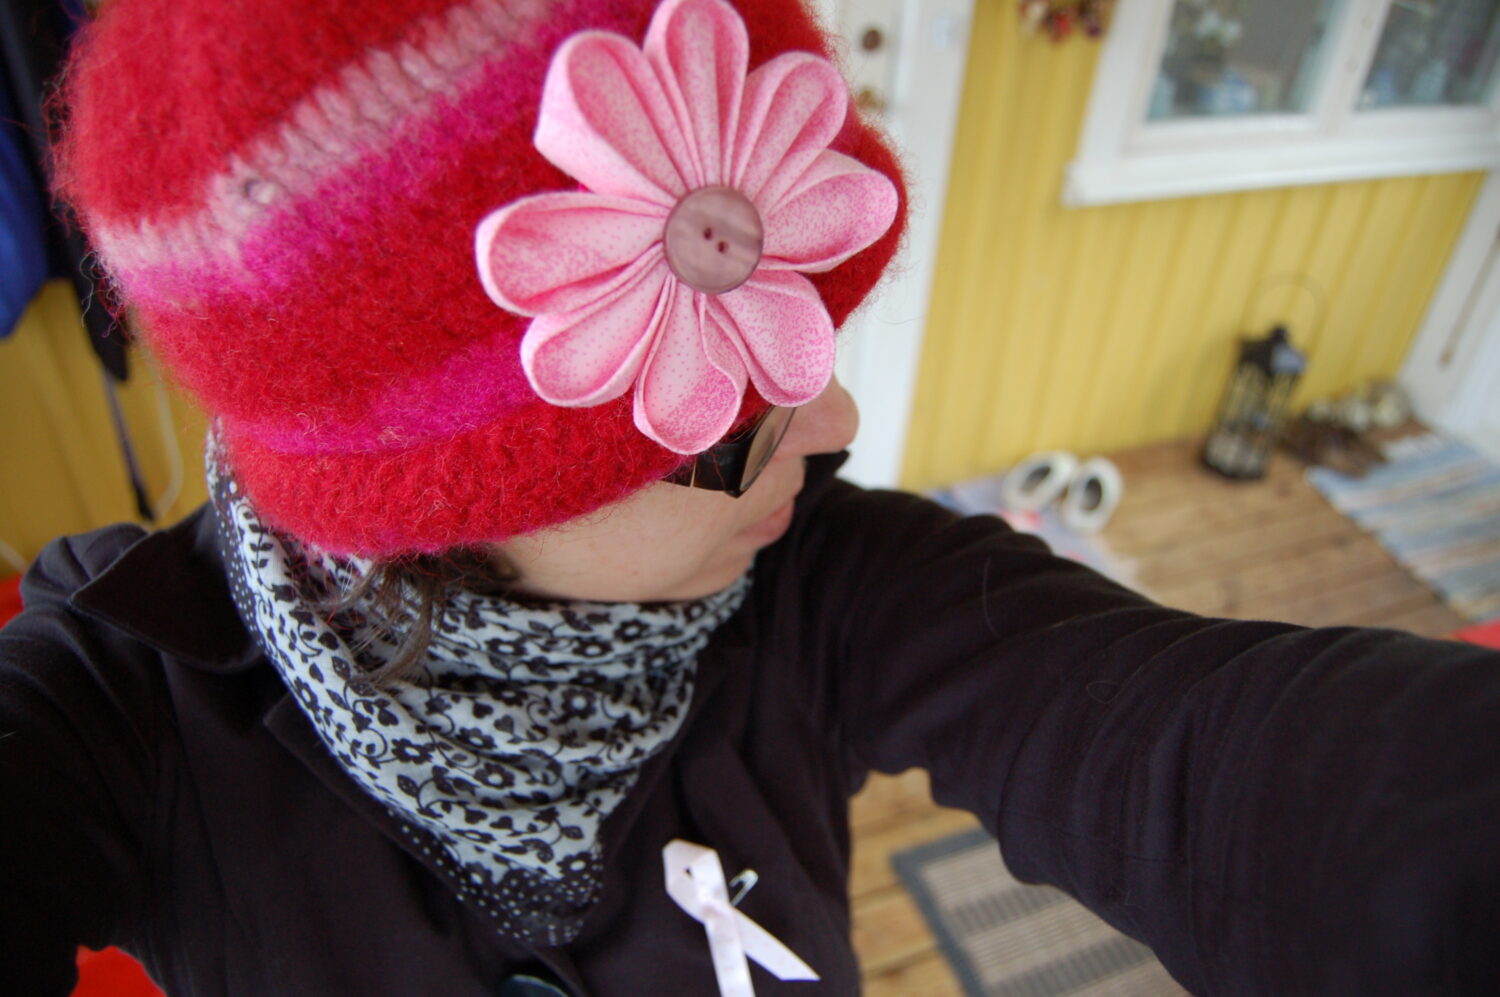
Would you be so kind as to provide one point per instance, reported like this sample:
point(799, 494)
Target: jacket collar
point(170, 590)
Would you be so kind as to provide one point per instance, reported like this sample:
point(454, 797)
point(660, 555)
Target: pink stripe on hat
point(474, 387)
point(333, 132)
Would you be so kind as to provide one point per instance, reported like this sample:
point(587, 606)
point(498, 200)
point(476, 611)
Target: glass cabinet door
point(1237, 57)
point(1434, 53)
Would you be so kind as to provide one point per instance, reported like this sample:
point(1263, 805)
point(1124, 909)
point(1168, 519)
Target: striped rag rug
point(1004, 938)
point(1435, 506)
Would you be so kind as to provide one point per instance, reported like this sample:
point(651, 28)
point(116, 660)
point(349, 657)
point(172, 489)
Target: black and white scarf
point(525, 726)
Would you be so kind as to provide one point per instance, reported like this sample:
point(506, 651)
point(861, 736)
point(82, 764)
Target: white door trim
point(920, 80)
point(1453, 368)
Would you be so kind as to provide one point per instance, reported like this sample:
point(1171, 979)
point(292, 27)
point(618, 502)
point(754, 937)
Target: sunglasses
point(732, 465)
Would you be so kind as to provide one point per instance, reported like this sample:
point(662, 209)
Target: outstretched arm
point(1275, 810)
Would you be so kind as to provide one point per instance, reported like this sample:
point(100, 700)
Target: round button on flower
point(713, 239)
point(706, 193)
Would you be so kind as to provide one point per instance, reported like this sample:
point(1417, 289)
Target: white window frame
point(1123, 157)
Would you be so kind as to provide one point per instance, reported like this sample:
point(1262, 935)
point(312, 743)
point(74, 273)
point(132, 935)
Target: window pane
point(1227, 57)
point(1434, 52)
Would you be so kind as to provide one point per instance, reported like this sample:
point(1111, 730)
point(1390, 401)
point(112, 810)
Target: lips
point(768, 530)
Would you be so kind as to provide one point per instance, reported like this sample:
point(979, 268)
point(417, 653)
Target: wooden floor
point(1272, 549)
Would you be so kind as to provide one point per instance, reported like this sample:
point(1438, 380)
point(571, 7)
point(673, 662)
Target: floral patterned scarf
point(525, 726)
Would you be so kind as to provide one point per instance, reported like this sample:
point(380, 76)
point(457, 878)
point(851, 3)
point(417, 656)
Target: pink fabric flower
point(688, 312)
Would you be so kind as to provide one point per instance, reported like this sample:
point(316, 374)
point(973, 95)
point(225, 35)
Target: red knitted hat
point(415, 257)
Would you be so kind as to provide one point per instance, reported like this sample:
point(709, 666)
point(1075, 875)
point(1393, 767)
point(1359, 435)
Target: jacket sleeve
point(77, 776)
point(1274, 810)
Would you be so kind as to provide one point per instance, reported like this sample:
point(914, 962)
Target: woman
point(528, 611)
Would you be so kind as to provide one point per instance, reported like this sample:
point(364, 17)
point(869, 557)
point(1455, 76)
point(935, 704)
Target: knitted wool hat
point(412, 255)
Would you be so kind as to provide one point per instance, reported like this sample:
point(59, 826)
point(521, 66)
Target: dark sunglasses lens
point(768, 437)
point(733, 465)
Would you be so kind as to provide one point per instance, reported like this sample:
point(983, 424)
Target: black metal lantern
point(1255, 406)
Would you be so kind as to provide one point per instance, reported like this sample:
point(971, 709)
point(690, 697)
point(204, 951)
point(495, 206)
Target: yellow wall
point(1101, 328)
point(60, 465)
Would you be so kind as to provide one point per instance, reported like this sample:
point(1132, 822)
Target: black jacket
point(1274, 810)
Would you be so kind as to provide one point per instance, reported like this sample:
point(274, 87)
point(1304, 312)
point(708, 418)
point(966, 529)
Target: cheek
point(673, 512)
point(667, 542)
point(713, 543)
point(704, 534)
point(690, 529)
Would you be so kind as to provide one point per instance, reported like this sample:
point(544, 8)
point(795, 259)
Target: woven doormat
point(1435, 506)
point(1006, 939)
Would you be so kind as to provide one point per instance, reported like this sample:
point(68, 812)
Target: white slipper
point(1037, 481)
point(1389, 405)
point(1093, 495)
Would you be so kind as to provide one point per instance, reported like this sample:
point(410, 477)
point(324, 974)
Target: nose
point(826, 424)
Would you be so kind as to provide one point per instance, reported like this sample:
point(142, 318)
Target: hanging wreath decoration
point(1060, 18)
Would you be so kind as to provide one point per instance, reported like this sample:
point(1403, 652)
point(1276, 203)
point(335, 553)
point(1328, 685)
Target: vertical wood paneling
point(1242, 257)
point(1100, 328)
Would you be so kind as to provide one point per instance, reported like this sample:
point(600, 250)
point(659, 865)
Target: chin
point(711, 579)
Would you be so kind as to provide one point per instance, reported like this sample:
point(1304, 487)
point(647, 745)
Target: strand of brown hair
point(419, 583)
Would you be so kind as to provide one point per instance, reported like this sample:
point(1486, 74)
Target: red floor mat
point(112, 973)
point(1487, 634)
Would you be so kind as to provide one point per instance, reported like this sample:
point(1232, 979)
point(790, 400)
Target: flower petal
point(682, 400)
point(787, 337)
point(793, 107)
point(559, 252)
point(837, 208)
point(591, 355)
point(606, 122)
point(720, 341)
point(700, 50)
